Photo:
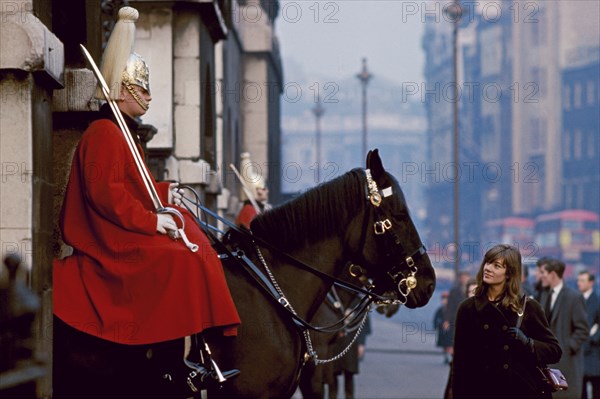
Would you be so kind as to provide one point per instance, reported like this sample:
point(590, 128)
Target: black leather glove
point(519, 336)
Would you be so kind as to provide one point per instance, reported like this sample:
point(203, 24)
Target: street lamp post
point(318, 111)
point(364, 76)
point(455, 13)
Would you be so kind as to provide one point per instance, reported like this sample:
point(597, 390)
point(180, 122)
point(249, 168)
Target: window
point(535, 34)
point(577, 144)
point(543, 25)
point(572, 224)
point(567, 97)
point(590, 92)
point(590, 225)
point(581, 238)
point(591, 145)
point(539, 77)
point(577, 92)
point(539, 29)
point(568, 196)
point(491, 51)
point(537, 137)
point(534, 129)
point(567, 145)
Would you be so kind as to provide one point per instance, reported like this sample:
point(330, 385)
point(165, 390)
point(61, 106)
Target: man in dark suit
point(538, 286)
point(591, 349)
point(565, 310)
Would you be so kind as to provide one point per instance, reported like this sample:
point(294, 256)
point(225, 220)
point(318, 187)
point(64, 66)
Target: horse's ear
point(374, 163)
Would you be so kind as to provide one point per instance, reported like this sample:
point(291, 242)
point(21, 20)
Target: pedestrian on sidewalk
point(493, 358)
point(444, 338)
point(348, 365)
point(566, 314)
point(591, 348)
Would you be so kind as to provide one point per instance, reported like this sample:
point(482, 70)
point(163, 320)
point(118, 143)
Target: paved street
point(401, 360)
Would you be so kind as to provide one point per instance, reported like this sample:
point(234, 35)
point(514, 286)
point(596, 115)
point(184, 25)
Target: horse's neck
point(303, 289)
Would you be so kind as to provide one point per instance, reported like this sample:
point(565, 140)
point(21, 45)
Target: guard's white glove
point(164, 223)
point(175, 194)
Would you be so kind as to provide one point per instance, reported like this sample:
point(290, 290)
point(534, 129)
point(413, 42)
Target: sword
point(137, 158)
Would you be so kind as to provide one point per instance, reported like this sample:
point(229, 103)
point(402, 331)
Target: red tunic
point(246, 215)
point(125, 282)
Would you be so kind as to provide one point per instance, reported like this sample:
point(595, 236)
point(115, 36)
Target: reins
point(268, 283)
point(247, 234)
point(272, 288)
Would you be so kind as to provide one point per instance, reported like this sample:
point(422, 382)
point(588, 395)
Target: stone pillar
point(31, 67)
point(154, 42)
point(257, 38)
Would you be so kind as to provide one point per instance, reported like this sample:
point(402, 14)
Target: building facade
point(530, 123)
point(192, 130)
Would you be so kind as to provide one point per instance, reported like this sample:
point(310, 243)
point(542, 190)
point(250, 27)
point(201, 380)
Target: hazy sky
point(331, 37)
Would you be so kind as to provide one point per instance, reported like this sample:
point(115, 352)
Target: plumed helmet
point(251, 174)
point(119, 62)
point(137, 72)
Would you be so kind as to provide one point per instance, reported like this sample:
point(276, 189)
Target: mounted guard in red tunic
point(129, 285)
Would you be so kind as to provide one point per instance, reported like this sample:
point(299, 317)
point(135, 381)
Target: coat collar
point(133, 124)
point(557, 304)
point(481, 303)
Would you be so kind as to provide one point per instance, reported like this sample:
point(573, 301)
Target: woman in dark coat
point(493, 358)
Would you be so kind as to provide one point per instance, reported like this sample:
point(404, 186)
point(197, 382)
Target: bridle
point(406, 280)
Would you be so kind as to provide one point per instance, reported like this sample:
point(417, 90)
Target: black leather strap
point(257, 274)
point(247, 234)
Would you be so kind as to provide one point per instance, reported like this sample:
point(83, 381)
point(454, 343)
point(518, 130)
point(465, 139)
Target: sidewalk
point(397, 336)
point(401, 361)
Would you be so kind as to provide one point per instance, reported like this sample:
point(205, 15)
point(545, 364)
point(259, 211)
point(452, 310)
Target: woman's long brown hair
point(511, 259)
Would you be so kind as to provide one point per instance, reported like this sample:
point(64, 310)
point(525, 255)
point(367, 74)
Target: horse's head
point(391, 252)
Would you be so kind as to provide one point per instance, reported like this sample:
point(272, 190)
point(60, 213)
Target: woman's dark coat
point(488, 363)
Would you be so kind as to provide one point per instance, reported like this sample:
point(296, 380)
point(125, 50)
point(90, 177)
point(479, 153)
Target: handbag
point(553, 379)
point(549, 379)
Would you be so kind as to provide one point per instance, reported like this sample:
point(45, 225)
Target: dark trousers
point(348, 385)
point(595, 382)
point(85, 366)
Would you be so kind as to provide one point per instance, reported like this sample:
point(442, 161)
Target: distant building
point(248, 87)
point(531, 123)
point(396, 126)
point(262, 85)
point(494, 78)
point(437, 44)
point(581, 132)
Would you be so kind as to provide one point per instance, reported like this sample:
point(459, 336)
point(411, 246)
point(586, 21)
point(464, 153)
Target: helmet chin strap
point(135, 95)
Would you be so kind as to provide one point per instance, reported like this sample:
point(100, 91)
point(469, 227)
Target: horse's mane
point(314, 215)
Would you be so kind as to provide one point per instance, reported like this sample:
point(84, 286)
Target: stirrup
point(201, 378)
point(207, 373)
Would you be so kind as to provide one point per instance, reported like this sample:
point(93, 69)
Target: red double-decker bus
point(572, 236)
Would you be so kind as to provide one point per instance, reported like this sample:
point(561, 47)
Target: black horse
point(359, 218)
